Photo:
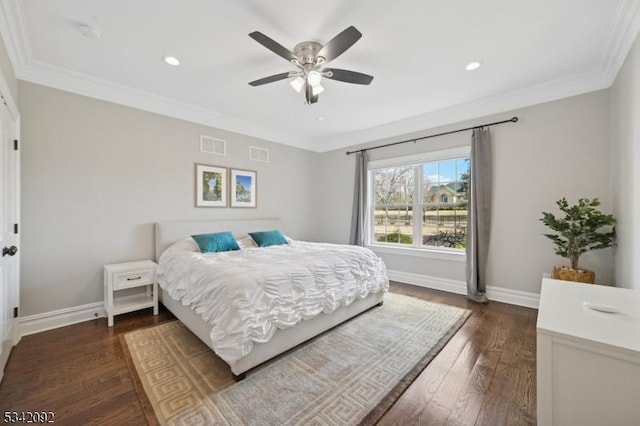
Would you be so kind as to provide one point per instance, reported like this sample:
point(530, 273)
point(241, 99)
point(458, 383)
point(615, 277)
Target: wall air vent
point(258, 154)
point(212, 145)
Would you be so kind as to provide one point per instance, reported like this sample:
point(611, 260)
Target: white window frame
point(443, 253)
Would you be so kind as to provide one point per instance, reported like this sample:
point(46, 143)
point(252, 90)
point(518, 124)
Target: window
point(420, 202)
point(393, 204)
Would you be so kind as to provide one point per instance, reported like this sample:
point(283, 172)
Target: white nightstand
point(122, 276)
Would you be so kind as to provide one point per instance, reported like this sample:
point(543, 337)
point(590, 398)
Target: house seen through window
point(421, 205)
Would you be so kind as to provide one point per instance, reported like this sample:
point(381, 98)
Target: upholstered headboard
point(167, 233)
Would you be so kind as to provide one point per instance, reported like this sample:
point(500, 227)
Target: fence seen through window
point(436, 191)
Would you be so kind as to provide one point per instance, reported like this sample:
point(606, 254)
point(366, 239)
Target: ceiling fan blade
point(273, 46)
point(337, 45)
point(348, 76)
point(270, 79)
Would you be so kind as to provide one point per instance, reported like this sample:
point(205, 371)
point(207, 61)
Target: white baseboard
point(499, 294)
point(49, 320)
point(513, 297)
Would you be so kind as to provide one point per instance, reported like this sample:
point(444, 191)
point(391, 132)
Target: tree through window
point(436, 190)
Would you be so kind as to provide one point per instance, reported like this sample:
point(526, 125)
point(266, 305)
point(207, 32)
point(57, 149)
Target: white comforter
point(246, 295)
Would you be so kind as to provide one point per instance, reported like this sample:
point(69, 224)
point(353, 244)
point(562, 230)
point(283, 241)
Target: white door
point(9, 230)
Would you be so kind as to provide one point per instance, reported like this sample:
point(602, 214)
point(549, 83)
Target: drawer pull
point(134, 279)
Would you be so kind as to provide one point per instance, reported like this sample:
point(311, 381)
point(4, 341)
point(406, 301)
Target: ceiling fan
point(310, 58)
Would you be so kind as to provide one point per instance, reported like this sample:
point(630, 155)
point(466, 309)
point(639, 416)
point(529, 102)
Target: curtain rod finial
point(514, 119)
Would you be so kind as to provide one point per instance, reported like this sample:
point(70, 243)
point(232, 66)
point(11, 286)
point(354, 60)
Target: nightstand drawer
point(134, 278)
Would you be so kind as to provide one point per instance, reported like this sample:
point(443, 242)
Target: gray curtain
point(359, 214)
point(479, 214)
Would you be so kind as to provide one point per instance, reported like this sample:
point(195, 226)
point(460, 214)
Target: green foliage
point(241, 193)
point(464, 180)
point(396, 237)
point(452, 239)
point(579, 231)
point(212, 186)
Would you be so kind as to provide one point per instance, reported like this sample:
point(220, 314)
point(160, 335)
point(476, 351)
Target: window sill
point(449, 255)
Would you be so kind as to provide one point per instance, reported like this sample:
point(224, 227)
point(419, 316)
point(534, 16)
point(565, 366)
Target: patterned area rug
point(349, 375)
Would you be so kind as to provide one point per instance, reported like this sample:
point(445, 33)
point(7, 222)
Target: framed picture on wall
point(243, 188)
point(211, 186)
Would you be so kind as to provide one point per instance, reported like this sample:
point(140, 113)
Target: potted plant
point(583, 228)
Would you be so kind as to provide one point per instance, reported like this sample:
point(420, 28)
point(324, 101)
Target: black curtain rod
point(511, 120)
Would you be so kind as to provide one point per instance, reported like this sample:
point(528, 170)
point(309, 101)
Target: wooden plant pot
point(569, 274)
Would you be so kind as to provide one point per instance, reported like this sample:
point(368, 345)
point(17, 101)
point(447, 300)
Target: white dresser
point(588, 362)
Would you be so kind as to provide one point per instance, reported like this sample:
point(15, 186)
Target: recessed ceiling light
point(321, 118)
point(473, 65)
point(172, 60)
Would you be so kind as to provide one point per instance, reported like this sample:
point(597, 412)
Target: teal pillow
point(219, 241)
point(268, 238)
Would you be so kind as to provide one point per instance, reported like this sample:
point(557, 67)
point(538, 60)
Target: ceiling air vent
point(258, 154)
point(212, 145)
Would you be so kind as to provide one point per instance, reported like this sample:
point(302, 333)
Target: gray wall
point(625, 140)
point(96, 175)
point(557, 149)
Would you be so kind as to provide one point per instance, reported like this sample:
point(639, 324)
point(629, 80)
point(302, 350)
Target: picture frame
point(243, 188)
point(211, 186)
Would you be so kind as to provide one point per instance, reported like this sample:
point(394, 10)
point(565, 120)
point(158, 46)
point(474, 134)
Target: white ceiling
point(532, 51)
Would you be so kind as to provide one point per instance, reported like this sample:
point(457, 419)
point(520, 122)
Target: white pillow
point(188, 244)
point(246, 242)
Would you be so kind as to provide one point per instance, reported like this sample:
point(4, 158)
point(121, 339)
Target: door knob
point(9, 251)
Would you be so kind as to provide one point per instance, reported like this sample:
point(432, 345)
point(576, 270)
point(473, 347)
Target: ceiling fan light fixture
point(314, 78)
point(297, 84)
point(317, 89)
point(309, 57)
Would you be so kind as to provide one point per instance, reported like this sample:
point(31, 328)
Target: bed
point(275, 338)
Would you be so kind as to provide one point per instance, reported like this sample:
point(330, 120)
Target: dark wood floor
point(485, 375)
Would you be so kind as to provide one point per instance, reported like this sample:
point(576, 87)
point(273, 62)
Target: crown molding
point(82, 84)
point(623, 34)
point(529, 96)
point(14, 35)
point(13, 32)
point(70, 81)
